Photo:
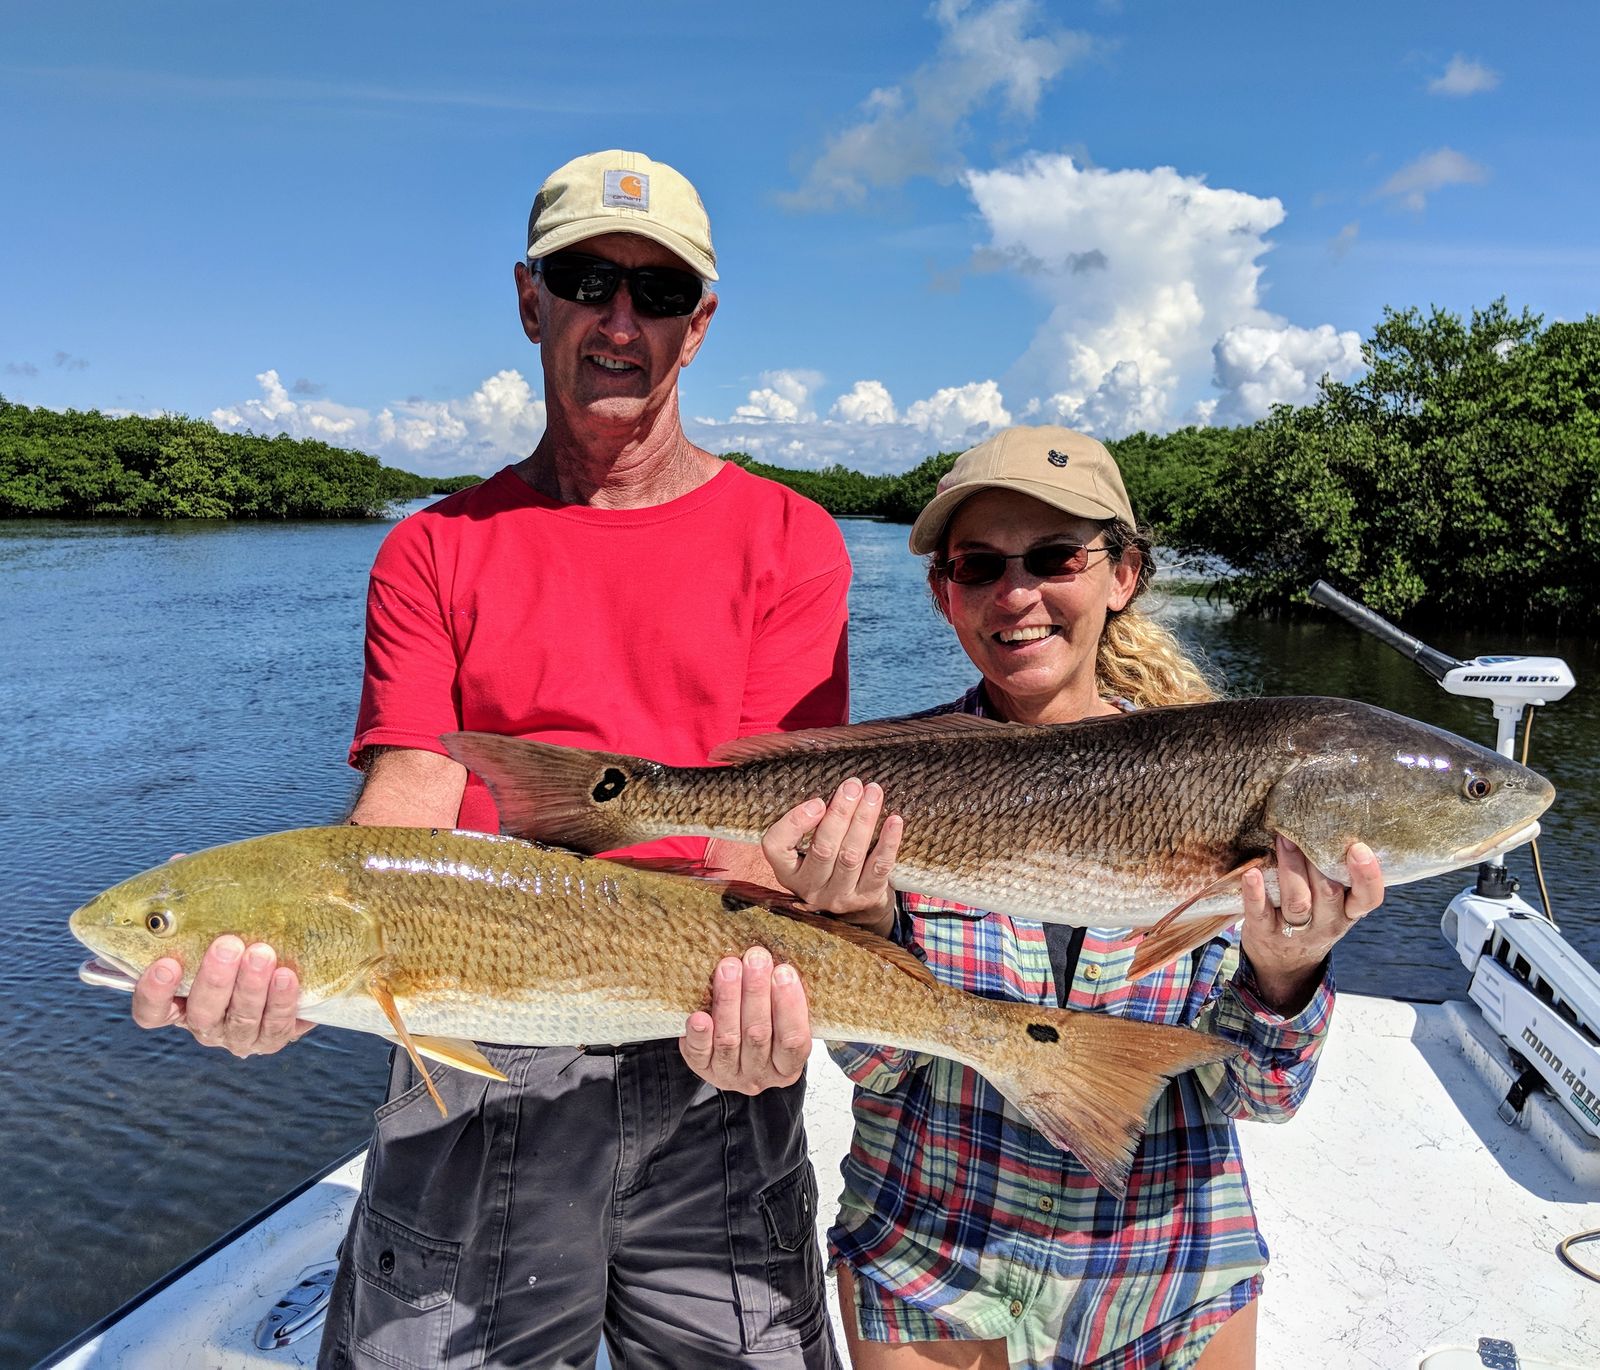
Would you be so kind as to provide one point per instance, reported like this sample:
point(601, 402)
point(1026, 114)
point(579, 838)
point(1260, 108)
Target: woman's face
point(1033, 640)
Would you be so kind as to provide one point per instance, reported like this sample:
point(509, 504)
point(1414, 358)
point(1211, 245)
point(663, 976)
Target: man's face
point(609, 364)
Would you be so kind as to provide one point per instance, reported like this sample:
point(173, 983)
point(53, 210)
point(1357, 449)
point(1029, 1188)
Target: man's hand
point(241, 999)
point(758, 1033)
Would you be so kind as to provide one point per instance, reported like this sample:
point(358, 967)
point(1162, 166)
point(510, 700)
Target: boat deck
point(1406, 1220)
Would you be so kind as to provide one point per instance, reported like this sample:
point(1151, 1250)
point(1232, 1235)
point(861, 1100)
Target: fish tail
point(564, 796)
point(1088, 1081)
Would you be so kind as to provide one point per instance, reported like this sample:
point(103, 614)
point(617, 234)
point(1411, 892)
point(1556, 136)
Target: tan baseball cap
point(1066, 470)
point(622, 192)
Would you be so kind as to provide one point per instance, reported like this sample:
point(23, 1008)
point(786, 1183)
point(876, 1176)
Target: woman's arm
point(1277, 989)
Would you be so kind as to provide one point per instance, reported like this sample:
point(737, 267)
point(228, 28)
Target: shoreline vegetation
point(82, 464)
point(1458, 479)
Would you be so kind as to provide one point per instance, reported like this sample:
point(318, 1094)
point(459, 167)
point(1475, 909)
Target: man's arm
point(406, 788)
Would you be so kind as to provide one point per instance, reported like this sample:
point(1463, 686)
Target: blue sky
point(932, 220)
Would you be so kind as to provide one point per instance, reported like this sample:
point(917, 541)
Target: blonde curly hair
point(1138, 659)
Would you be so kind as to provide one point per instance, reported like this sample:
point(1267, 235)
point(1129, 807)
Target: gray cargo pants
point(610, 1191)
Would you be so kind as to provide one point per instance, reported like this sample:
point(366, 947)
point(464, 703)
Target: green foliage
point(905, 499)
point(450, 484)
point(86, 465)
point(850, 494)
point(1170, 478)
point(842, 492)
point(1456, 479)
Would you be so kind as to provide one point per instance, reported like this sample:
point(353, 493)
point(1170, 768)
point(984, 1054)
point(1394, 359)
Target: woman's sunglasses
point(1054, 561)
point(663, 292)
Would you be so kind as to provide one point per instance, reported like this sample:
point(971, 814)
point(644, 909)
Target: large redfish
point(439, 939)
point(1130, 821)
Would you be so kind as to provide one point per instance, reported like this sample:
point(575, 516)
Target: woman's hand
point(1287, 944)
point(842, 871)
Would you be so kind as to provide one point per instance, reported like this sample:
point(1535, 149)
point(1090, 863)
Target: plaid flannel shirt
point(958, 1207)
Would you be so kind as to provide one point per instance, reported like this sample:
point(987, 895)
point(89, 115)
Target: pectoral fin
point(454, 1051)
point(1174, 934)
point(1169, 943)
point(380, 993)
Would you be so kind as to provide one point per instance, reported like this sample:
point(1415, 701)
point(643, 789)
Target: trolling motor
point(1530, 984)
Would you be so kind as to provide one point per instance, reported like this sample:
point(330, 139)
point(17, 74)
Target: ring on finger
point(1289, 929)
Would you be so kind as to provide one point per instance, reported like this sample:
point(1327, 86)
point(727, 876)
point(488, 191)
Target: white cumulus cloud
point(960, 415)
point(1007, 51)
point(1257, 367)
point(1432, 171)
point(864, 428)
point(1123, 402)
point(784, 398)
point(498, 422)
point(1464, 77)
point(1152, 279)
point(865, 402)
point(1142, 270)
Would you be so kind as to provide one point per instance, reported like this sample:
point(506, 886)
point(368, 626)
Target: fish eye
point(1476, 787)
point(158, 921)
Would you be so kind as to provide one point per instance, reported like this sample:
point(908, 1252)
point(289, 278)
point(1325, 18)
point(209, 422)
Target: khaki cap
point(1066, 470)
point(622, 192)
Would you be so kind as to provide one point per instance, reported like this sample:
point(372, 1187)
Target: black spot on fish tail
point(1043, 1032)
point(612, 783)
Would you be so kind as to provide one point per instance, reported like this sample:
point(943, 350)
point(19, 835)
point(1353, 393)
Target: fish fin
point(1169, 943)
point(547, 792)
point(762, 896)
point(457, 1052)
point(764, 745)
point(897, 956)
point(380, 992)
point(789, 906)
point(741, 891)
point(667, 865)
point(1166, 938)
point(1088, 1081)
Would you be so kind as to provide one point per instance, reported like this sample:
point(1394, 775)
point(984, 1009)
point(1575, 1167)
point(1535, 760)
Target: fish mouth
point(1504, 840)
point(120, 976)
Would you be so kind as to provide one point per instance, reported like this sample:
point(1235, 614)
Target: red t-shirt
point(660, 632)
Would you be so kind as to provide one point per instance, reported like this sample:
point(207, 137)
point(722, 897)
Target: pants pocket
point(787, 1300)
point(403, 1297)
point(403, 1291)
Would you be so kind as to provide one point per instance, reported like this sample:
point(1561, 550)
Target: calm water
point(170, 687)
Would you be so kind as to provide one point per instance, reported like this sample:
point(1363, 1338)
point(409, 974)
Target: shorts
point(1035, 1342)
point(607, 1193)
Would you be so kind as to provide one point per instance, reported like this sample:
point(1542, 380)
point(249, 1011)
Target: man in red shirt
point(623, 589)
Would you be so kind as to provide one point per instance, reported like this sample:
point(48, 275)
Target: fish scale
point(1122, 821)
point(441, 939)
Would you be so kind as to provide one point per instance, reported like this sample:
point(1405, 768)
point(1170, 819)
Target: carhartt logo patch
point(1057, 458)
point(626, 190)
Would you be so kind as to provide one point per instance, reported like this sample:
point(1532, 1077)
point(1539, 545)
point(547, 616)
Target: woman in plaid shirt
point(964, 1238)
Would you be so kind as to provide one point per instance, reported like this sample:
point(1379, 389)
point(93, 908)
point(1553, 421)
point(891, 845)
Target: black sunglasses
point(1054, 561)
point(663, 292)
